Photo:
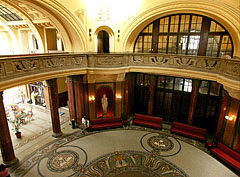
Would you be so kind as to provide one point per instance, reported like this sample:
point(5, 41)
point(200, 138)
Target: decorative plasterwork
point(224, 71)
point(33, 13)
point(80, 14)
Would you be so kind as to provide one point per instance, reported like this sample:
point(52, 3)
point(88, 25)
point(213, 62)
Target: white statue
point(104, 102)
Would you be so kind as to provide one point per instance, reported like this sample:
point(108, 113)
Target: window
point(187, 85)
point(204, 87)
point(8, 15)
point(160, 81)
point(183, 34)
point(178, 84)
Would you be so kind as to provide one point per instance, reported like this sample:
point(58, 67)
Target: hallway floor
point(129, 151)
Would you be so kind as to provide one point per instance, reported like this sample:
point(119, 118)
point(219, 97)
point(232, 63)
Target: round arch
point(111, 37)
point(16, 44)
point(217, 11)
point(27, 19)
point(74, 35)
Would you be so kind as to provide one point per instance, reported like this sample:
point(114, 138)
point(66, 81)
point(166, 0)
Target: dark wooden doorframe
point(103, 42)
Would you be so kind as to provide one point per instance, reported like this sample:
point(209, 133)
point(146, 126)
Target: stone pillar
point(193, 101)
point(53, 102)
point(118, 99)
point(230, 125)
point(78, 99)
point(151, 94)
point(222, 114)
point(129, 94)
point(92, 101)
point(6, 146)
point(71, 96)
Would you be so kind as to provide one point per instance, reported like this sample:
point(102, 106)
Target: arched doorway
point(103, 42)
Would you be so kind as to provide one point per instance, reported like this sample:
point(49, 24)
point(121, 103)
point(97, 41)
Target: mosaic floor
point(124, 152)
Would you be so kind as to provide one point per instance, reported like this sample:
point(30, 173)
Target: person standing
point(4, 171)
point(104, 102)
point(85, 124)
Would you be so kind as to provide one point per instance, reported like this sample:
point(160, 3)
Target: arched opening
point(103, 42)
point(185, 34)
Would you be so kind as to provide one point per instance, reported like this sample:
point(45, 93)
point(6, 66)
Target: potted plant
point(16, 124)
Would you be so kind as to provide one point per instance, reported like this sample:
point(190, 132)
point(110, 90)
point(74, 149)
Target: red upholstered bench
point(149, 121)
point(106, 123)
point(228, 155)
point(189, 131)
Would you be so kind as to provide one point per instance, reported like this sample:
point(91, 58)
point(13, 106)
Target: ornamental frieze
point(109, 60)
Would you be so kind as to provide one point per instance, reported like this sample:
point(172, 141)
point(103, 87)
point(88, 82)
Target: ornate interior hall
point(158, 82)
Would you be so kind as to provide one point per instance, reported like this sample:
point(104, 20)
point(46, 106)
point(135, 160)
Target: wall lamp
point(118, 96)
point(90, 32)
point(91, 98)
point(230, 118)
point(118, 33)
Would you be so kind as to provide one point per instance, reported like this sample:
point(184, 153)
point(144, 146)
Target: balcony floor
point(128, 151)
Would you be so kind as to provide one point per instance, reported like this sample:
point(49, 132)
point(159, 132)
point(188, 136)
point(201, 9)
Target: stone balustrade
point(18, 70)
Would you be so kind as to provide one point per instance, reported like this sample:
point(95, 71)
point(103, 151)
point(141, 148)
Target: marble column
point(129, 94)
point(6, 145)
point(222, 114)
point(71, 96)
point(151, 94)
point(92, 102)
point(193, 101)
point(78, 99)
point(53, 102)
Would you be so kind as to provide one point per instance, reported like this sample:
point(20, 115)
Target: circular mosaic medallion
point(160, 143)
point(62, 161)
point(131, 163)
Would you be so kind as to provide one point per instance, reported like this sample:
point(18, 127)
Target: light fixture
point(118, 96)
point(90, 32)
point(91, 98)
point(230, 118)
point(118, 33)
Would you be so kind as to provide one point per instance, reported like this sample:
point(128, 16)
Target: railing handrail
point(31, 68)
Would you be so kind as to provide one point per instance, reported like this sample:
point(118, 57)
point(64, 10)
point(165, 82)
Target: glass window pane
point(203, 89)
point(193, 44)
point(215, 88)
point(162, 44)
point(174, 23)
point(148, 29)
point(212, 46)
point(187, 85)
point(172, 45)
point(219, 29)
point(169, 83)
point(182, 48)
point(226, 46)
point(178, 84)
point(147, 45)
point(213, 26)
point(163, 27)
point(138, 46)
point(196, 24)
point(160, 81)
point(184, 26)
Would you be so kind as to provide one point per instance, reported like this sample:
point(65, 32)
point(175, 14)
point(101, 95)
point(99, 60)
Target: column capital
point(69, 78)
point(51, 82)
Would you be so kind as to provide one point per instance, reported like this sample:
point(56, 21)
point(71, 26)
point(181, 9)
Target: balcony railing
point(41, 67)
